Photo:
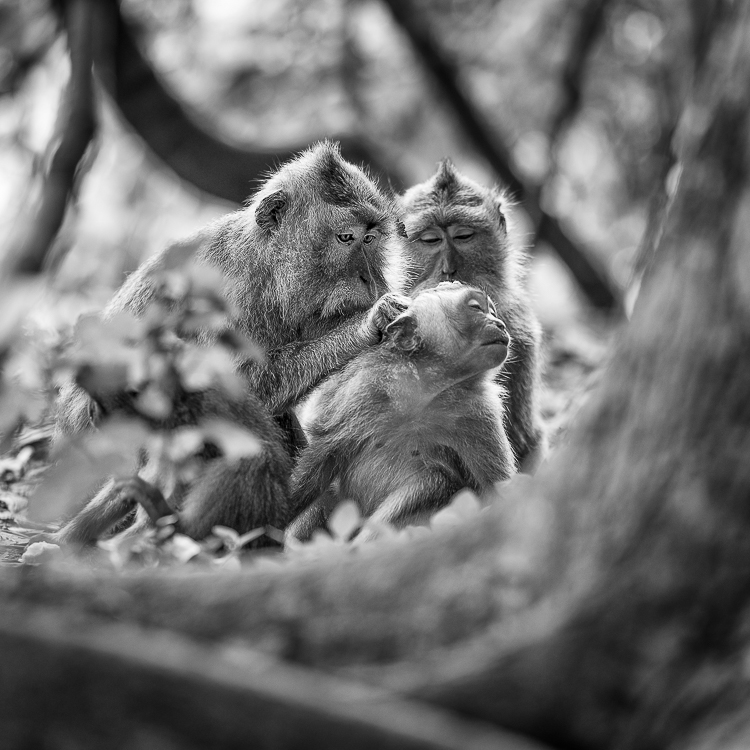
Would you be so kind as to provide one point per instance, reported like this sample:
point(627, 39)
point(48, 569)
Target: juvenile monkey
point(460, 231)
point(308, 266)
point(409, 423)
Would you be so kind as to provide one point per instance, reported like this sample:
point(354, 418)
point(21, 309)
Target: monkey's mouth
point(495, 338)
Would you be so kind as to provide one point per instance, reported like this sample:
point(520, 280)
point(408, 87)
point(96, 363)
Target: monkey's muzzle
point(494, 335)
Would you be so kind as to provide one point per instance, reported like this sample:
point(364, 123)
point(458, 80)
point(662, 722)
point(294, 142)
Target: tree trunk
point(603, 604)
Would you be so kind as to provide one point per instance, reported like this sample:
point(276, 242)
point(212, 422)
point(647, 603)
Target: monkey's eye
point(463, 233)
point(369, 238)
point(476, 305)
point(345, 237)
point(430, 237)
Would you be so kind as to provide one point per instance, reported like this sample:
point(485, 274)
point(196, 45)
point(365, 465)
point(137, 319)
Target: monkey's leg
point(242, 495)
point(426, 493)
point(311, 518)
point(313, 475)
point(97, 517)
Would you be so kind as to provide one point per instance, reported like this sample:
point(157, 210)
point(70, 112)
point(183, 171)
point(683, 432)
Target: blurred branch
point(588, 31)
point(705, 18)
point(586, 268)
point(74, 131)
point(185, 144)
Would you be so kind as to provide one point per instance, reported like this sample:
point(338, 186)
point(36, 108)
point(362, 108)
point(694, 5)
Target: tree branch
point(184, 143)
point(74, 131)
point(588, 30)
point(588, 271)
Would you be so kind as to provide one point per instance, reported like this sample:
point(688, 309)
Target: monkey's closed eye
point(431, 238)
point(465, 234)
point(474, 303)
point(345, 237)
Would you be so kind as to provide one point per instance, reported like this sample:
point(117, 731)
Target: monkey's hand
point(385, 311)
point(142, 492)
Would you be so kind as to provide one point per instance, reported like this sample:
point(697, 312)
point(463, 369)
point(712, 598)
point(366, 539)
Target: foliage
point(140, 367)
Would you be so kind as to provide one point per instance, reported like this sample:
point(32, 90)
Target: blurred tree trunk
point(606, 603)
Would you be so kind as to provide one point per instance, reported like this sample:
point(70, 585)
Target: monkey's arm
point(101, 513)
point(291, 371)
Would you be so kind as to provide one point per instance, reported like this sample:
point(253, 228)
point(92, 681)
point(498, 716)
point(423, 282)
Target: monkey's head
point(330, 232)
point(457, 230)
point(451, 333)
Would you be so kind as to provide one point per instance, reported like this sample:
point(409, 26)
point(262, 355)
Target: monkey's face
point(350, 265)
point(451, 331)
point(456, 231)
point(333, 233)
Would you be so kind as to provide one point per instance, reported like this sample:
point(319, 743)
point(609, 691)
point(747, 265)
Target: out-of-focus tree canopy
point(595, 77)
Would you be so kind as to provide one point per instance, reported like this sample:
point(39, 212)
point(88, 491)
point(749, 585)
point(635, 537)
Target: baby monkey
point(407, 424)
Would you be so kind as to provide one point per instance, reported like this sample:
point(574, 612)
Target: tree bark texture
point(604, 604)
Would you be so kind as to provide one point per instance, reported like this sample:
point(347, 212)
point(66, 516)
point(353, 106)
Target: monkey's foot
point(145, 494)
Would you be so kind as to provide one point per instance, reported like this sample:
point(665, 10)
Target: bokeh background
point(582, 93)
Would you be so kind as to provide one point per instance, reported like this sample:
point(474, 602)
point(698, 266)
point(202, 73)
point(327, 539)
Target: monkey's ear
point(402, 332)
point(500, 202)
point(270, 211)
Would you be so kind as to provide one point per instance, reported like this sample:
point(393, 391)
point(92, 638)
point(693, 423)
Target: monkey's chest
point(402, 454)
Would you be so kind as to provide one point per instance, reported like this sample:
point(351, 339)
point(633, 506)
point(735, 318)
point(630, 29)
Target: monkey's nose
point(500, 325)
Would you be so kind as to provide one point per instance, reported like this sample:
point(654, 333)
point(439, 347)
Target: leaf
point(84, 464)
point(183, 548)
point(153, 402)
point(101, 379)
point(464, 505)
point(234, 442)
point(229, 536)
point(250, 536)
point(203, 367)
point(18, 299)
point(185, 443)
point(207, 282)
point(345, 520)
point(119, 549)
point(40, 552)
point(228, 564)
point(99, 340)
point(180, 254)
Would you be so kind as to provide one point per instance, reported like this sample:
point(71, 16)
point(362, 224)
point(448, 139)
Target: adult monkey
point(309, 265)
point(460, 231)
point(407, 424)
